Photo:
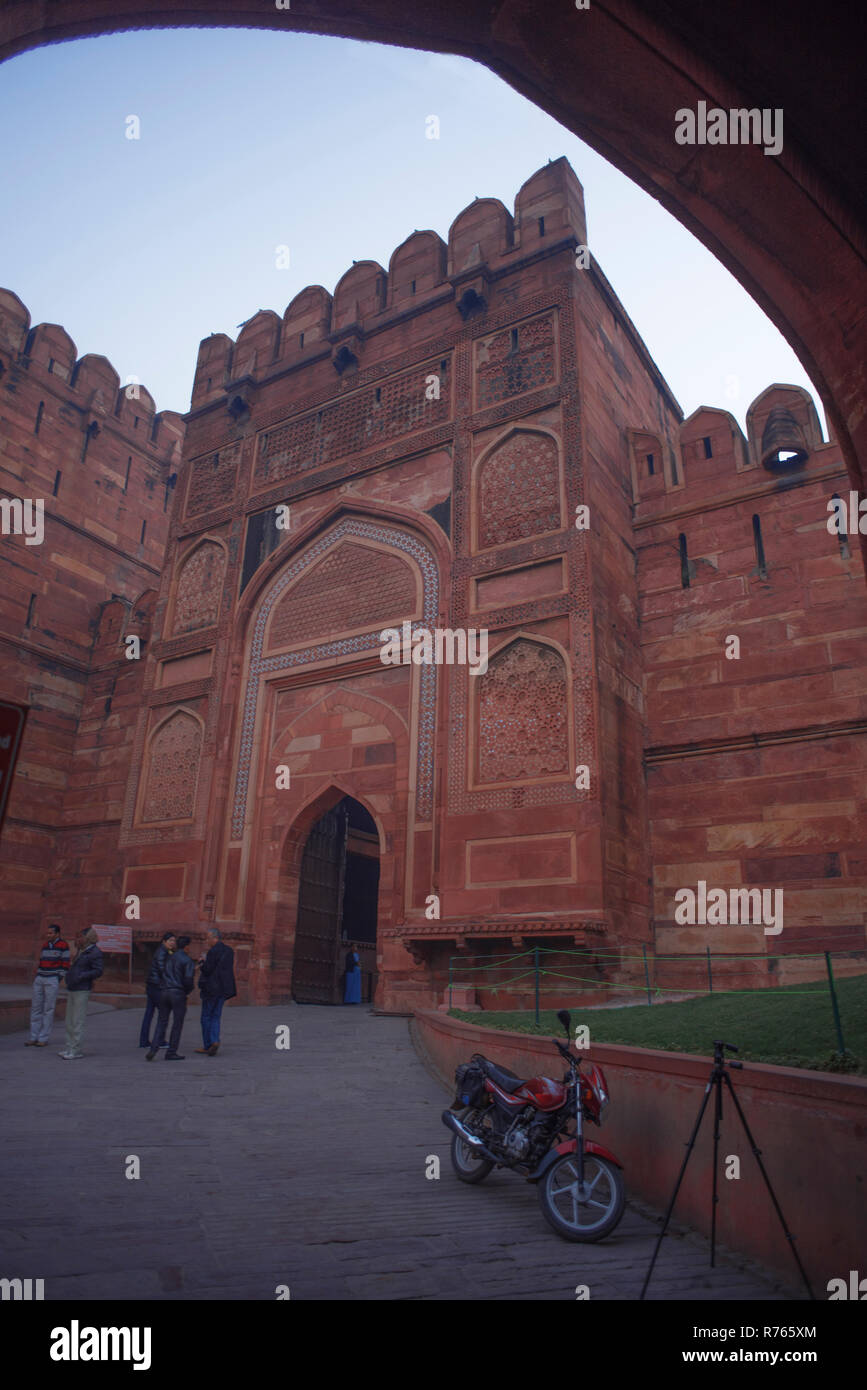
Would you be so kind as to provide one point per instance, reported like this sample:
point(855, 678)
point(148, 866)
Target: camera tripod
point(718, 1076)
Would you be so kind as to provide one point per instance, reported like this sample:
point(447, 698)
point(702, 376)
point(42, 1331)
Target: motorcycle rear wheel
point(586, 1216)
point(467, 1166)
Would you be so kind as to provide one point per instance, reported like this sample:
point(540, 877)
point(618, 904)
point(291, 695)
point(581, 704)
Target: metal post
point(536, 969)
point(838, 1025)
point(646, 974)
point(451, 967)
point(709, 974)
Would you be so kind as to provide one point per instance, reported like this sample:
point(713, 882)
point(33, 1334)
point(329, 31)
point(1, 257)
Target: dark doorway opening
point(337, 904)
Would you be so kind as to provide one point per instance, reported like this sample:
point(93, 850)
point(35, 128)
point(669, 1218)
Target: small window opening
point(541, 226)
point(760, 549)
point(412, 287)
point(444, 365)
point(650, 468)
point(300, 339)
point(128, 467)
point(135, 422)
point(208, 387)
point(674, 475)
point(708, 451)
point(378, 395)
point(684, 562)
point(144, 527)
point(55, 490)
point(39, 411)
point(31, 611)
point(514, 340)
point(92, 429)
point(51, 364)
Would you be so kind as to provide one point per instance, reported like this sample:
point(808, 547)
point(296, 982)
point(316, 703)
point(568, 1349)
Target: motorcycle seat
point(505, 1079)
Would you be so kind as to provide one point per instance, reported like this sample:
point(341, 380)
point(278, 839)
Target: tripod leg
point(758, 1153)
point(717, 1123)
point(689, 1149)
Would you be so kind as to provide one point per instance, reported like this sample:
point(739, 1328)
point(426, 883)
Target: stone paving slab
point(303, 1167)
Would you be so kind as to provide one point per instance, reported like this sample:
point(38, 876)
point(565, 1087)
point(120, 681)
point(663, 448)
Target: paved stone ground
point(303, 1167)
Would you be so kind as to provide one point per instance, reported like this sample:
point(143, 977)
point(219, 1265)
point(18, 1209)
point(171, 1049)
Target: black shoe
point(150, 1054)
point(174, 1057)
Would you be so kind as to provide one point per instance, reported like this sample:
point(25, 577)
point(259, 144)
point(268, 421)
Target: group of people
point(170, 982)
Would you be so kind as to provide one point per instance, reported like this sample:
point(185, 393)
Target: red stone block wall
point(100, 462)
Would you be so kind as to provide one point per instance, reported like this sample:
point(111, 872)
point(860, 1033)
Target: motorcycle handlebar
point(561, 1047)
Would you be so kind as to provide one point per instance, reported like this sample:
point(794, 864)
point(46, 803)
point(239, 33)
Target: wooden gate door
point(315, 976)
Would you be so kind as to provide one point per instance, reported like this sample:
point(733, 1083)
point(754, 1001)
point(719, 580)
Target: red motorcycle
point(527, 1126)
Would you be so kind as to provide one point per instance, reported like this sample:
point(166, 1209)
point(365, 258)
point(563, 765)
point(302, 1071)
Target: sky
point(252, 140)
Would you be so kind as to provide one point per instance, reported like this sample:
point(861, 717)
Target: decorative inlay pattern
point(352, 587)
point(515, 360)
point(173, 769)
point(523, 706)
point(260, 665)
point(519, 490)
point(363, 420)
point(197, 602)
point(212, 480)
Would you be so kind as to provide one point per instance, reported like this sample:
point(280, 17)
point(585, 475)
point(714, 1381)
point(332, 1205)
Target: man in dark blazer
point(216, 985)
point(152, 986)
point(177, 977)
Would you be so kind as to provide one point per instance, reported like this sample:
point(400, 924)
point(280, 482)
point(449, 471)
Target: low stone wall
point(809, 1126)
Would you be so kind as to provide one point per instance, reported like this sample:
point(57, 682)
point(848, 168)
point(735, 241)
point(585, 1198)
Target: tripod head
point(719, 1057)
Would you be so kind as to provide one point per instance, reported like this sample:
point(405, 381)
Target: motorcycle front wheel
point(585, 1213)
point(467, 1166)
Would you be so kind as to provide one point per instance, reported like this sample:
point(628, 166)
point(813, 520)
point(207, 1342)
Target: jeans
point(45, 989)
point(211, 1010)
point(77, 1001)
point(174, 1002)
point(153, 1003)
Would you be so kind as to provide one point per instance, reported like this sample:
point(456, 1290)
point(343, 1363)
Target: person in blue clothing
point(352, 968)
point(152, 986)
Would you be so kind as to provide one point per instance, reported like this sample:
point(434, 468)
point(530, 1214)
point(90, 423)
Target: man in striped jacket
point(53, 965)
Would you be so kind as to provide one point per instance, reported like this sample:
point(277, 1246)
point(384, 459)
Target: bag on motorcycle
point(469, 1085)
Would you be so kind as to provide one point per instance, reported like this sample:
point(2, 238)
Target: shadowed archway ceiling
point(790, 227)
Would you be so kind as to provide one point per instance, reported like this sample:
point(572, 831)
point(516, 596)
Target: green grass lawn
point(792, 1027)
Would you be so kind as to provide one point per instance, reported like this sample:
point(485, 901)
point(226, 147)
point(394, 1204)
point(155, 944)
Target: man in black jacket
point(216, 985)
point(85, 968)
point(152, 986)
point(177, 976)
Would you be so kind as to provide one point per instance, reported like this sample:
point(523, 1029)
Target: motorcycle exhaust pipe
point(453, 1123)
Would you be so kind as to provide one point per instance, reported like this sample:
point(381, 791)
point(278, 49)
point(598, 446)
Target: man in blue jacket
point(85, 968)
point(177, 977)
point(152, 986)
point(216, 985)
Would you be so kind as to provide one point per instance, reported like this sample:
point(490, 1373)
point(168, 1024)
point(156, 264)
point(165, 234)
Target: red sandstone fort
point(434, 430)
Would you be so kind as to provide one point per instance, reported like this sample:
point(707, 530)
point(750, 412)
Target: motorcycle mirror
point(566, 1019)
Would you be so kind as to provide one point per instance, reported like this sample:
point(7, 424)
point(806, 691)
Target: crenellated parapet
point(485, 241)
point(712, 458)
point(87, 390)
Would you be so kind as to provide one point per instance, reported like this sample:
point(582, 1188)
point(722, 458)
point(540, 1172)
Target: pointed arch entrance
point(337, 904)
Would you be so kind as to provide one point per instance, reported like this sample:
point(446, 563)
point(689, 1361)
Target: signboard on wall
point(114, 938)
point(12, 718)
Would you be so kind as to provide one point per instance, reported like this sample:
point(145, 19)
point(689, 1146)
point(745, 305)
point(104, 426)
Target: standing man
point(152, 987)
point(86, 967)
point(216, 985)
point(53, 965)
point(177, 977)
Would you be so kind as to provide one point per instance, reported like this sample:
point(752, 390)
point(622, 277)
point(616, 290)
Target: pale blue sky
point(250, 140)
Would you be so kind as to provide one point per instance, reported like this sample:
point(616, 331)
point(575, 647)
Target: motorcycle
point(507, 1122)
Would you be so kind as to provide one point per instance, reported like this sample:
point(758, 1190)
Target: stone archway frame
point(789, 226)
point(259, 666)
